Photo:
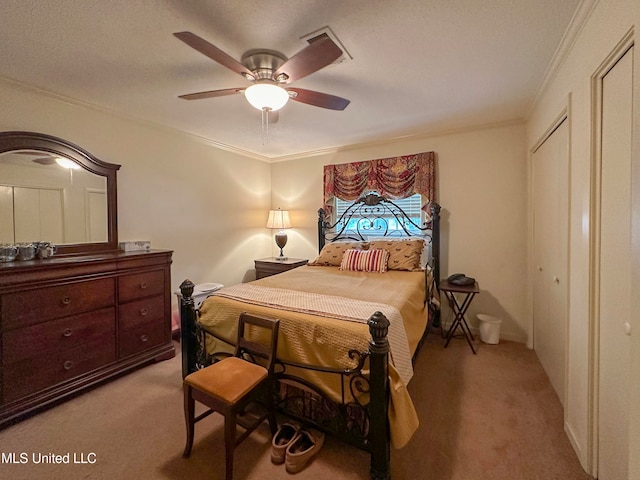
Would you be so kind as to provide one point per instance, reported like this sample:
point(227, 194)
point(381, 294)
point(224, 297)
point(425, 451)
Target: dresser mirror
point(54, 191)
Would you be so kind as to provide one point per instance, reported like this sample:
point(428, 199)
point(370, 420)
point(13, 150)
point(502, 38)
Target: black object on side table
point(467, 293)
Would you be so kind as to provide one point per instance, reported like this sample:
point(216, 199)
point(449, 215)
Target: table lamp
point(279, 219)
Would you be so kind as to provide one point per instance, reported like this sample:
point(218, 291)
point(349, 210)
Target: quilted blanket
point(323, 313)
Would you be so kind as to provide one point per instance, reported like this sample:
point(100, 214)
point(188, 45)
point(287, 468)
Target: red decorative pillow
point(374, 260)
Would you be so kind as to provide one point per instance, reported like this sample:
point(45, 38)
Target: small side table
point(270, 266)
point(459, 309)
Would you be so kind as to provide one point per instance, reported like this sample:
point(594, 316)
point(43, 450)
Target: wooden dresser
point(69, 322)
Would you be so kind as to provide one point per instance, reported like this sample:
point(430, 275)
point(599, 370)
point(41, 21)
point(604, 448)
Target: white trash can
point(489, 328)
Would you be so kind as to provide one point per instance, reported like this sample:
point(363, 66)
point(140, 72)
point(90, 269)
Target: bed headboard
point(372, 215)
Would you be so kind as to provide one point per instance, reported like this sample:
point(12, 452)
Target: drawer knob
point(143, 285)
point(144, 338)
point(66, 301)
point(67, 365)
point(143, 311)
point(67, 332)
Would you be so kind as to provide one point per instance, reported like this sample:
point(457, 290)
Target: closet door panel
point(615, 271)
point(38, 214)
point(51, 209)
point(6, 214)
point(26, 211)
point(550, 184)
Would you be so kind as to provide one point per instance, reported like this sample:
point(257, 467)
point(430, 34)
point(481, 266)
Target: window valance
point(394, 177)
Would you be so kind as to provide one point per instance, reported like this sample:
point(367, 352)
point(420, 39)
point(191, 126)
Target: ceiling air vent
point(327, 32)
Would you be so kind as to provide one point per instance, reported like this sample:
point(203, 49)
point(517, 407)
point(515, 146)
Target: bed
point(348, 337)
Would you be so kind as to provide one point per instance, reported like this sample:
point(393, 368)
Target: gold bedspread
point(311, 339)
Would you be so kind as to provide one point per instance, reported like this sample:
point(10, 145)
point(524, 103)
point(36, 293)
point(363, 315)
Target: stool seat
point(229, 379)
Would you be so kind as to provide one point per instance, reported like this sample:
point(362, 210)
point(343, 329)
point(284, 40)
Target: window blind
point(411, 205)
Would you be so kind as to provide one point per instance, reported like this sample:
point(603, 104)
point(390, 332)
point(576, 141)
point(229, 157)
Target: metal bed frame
point(360, 423)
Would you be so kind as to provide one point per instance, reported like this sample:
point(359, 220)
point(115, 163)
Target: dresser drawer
point(134, 314)
point(141, 338)
point(57, 335)
point(25, 308)
point(28, 376)
point(140, 285)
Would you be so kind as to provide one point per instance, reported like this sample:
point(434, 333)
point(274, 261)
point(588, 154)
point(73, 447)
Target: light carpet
point(493, 415)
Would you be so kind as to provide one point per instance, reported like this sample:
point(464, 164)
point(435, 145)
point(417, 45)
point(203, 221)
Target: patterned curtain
point(395, 178)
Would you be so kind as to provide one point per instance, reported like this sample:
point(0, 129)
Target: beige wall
point(207, 205)
point(570, 88)
point(482, 189)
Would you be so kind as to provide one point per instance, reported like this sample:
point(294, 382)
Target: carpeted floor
point(490, 416)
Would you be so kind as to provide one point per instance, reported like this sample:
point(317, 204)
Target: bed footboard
point(377, 438)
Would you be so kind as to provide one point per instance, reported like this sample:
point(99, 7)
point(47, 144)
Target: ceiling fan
point(42, 160)
point(270, 72)
point(49, 159)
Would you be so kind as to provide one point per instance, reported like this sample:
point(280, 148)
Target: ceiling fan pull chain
point(265, 126)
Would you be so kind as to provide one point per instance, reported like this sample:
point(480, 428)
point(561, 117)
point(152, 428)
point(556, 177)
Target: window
point(411, 206)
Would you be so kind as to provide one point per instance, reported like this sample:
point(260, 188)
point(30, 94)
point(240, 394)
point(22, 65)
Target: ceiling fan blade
point(48, 160)
point(211, 94)
point(319, 99)
point(308, 60)
point(45, 160)
point(214, 53)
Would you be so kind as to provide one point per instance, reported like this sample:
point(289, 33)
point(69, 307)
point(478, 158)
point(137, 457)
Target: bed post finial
point(379, 327)
point(186, 288)
point(379, 436)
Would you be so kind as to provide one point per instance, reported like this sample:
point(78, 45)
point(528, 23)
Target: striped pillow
point(374, 260)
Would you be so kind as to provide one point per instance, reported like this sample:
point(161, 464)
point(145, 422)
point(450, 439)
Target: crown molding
point(132, 118)
point(249, 154)
point(398, 139)
point(571, 34)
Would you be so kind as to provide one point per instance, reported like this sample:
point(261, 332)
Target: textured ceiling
point(418, 66)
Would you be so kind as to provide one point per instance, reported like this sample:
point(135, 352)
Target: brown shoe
point(285, 435)
point(303, 448)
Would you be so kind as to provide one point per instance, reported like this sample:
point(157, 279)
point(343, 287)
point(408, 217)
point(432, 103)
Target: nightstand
point(270, 266)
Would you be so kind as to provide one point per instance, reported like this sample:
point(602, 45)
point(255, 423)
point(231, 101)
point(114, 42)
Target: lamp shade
point(279, 219)
point(266, 96)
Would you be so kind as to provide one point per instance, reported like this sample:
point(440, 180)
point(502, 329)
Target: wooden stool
point(229, 385)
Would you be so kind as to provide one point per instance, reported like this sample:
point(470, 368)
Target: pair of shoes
point(284, 437)
point(295, 446)
point(303, 449)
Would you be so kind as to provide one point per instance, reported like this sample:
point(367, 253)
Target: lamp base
point(281, 241)
point(281, 259)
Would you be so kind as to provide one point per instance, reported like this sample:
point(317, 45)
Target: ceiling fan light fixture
point(66, 163)
point(266, 96)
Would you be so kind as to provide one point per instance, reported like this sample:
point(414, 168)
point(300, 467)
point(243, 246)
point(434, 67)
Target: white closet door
point(615, 271)
point(6, 214)
point(550, 196)
point(38, 214)
point(51, 216)
point(27, 214)
point(97, 215)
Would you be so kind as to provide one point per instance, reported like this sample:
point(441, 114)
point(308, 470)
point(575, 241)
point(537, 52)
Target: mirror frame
point(15, 140)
